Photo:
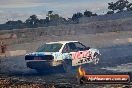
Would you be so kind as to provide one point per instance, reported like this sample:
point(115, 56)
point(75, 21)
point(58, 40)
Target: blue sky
point(22, 9)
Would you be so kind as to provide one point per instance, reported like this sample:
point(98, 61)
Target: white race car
point(65, 54)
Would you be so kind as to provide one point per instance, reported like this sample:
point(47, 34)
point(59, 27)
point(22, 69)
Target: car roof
point(62, 42)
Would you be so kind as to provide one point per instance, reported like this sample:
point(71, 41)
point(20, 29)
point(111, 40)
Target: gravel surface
point(14, 73)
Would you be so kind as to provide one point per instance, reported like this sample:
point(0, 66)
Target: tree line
point(53, 19)
point(119, 6)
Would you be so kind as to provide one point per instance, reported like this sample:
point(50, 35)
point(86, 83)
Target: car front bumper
point(43, 64)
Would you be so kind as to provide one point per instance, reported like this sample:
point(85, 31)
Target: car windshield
point(50, 47)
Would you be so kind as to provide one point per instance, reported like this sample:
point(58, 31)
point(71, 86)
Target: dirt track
point(113, 60)
point(116, 58)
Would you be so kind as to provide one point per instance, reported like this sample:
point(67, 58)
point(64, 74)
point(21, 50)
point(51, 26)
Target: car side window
point(80, 46)
point(66, 49)
point(72, 47)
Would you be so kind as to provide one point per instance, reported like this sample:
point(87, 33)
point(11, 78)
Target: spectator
point(3, 48)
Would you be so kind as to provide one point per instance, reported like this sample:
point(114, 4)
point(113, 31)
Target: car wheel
point(67, 65)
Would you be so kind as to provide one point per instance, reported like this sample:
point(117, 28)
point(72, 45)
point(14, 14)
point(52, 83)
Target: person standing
point(3, 48)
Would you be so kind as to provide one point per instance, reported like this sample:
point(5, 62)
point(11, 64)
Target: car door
point(66, 52)
point(80, 54)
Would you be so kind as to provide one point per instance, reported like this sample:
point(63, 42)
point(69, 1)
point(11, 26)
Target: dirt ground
point(116, 58)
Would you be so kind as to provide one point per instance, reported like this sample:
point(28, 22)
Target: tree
point(118, 6)
point(112, 6)
point(19, 22)
point(49, 14)
point(94, 14)
point(121, 5)
point(110, 12)
point(88, 13)
point(14, 22)
point(54, 17)
point(76, 16)
point(32, 21)
point(129, 7)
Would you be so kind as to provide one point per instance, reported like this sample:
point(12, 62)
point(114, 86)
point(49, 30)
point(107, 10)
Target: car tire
point(67, 66)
